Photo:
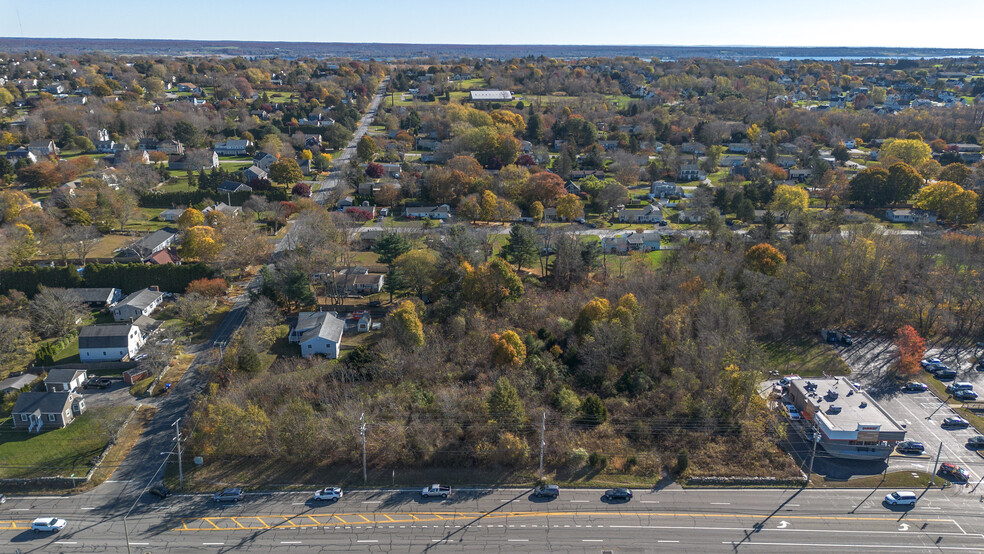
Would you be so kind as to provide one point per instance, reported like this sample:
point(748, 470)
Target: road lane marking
point(66, 542)
point(213, 543)
point(20, 509)
point(667, 541)
point(140, 543)
point(858, 546)
point(720, 503)
point(367, 540)
point(290, 542)
point(649, 501)
point(580, 501)
point(519, 540)
point(592, 540)
point(372, 501)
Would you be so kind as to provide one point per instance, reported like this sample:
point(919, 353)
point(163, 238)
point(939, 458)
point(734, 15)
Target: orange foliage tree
point(911, 349)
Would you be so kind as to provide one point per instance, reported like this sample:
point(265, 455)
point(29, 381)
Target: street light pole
point(126, 535)
point(362, 431)
point(813, 454)
point(543, 430)
point(932, 480)
point(177, 438)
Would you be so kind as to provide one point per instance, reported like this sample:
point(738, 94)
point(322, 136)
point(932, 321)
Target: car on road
point(977, 441)
point(618, 494)
point(160, 491)
point(954, 472)
point(956, 423)
point(3, 498)
point(436, 490)
point(328, 493)
point(910, 447)
point(229, 495)
point(792, 412)
point(965, 395)
point(97, 383)
point(915, 386)
point(48, 524)
point(930, 361)
point(901, 498)
point(547, 491)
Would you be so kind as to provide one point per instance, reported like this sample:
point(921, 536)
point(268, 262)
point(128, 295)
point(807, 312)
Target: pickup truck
point(97, 383)
point(436, 490)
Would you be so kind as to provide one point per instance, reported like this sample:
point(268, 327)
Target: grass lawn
point(127, 438)
point(60, 452)
point(201, 333)
point(896, 480)
point(107, 246)
point(146, 221)
point(806, 357)
point(657, 258)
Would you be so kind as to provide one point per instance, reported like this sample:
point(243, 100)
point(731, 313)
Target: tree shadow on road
point(758, 526)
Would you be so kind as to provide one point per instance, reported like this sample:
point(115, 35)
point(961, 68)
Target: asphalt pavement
point(580, 520)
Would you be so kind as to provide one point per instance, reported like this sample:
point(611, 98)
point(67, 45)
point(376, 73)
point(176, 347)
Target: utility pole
point(932, 481)
point(813, 454)
point(177, 438)
point(362, 431)
point(126, 535)
point(543, 430)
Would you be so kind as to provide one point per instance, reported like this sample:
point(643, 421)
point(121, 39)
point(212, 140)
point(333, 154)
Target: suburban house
point(646, 241)
point(141, 302)
point(16, 382)
point(154, 242)
point(661, 189)
point(490, 96)
point(363, 321)
point(43, 148)
point(192, 162)
point(429, 212)
point(40, 411)
point(359, 283)
point(233, 147)
point(572, 188)
point(650, 213)
point(693, 148)
point(318, 333)
point(799, 174)
point(105, 146)
point(21, 154)
point(223, 208)
point(171, 215)
point(264, 160)
point(169, 146)
point(690, 172)
point(254, 173)
point(232, 186)
point(64, 380)
point(99, 297)
point(910, 216)
point(162, 257)
point(110, 342)
point(189, 87)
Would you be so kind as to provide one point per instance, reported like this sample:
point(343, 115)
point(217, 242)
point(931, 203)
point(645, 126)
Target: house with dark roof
point(139, 303)
point(110, 342)
point(650, 213)
point(232, 186)
point(42, 411)
point(317, 333)
point(43, 148)
point(64, 380)
point(254, 173)
point(233, 147)
point(428, 212)
point(154, 242)
point(99, 297)
point(16, 382)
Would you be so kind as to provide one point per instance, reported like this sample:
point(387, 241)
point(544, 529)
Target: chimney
point(154, 288)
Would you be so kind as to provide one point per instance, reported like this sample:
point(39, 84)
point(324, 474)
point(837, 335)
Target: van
point(901, 498)
point(959, 385)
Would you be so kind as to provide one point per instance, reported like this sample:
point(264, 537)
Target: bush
point(598, 461)
point(593, 412)
point(209, 288)
point(683, 461)
point(248, 360)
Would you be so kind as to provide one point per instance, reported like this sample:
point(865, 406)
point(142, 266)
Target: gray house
point(99, 297)
point(41, 411)
point(650, 213)
point(153, 243)
point(139, 303)
point(111, 342)
point(64, 380)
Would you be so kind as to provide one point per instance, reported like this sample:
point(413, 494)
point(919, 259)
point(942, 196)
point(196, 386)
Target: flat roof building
point(491, 95)
point(850, 423)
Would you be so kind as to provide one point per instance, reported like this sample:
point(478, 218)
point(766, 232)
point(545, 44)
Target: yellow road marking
point(406, 517)
point(12, 524)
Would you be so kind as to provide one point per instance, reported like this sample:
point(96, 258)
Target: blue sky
point(684, 22)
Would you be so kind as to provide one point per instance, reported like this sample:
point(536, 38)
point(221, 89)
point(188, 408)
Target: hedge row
point(166, 200)
point(126, 277)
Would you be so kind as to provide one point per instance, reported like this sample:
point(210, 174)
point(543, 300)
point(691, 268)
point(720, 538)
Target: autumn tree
point(55, 312)
point(508, 349)
point(570, 208)
point(374, 170)
point(491, 284)
point(764, 258)
point(199, 244)
point(788, 199)
point(536, 212)
point(366, 149)
point(285, 171)
point(191, 218)
point(544, 187)
point(301, 189)
point(911, 151)
point(406, 325)
point(950, 202)
point(209, 288)
point(910, 349)
point(418, 267)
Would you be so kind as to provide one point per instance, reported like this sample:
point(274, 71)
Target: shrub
point(598, 461)
point(683, 461)
point(209, 288)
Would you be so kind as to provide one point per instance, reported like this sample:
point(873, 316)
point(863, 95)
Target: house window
point(68, 413)
point(23, 417)
point(51, 417)
point(104, 352)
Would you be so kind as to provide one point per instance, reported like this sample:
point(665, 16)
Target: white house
point(137, 304)
point(318, 333)
point(910, 216)
point(111, 342)
point(233, 147)
point(429, 212)
point(650, 213)
point(64, 380)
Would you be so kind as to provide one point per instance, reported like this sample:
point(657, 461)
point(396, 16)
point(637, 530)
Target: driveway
point(116, 394)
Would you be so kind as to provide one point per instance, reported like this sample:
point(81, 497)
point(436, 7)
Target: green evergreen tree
point(521, 247)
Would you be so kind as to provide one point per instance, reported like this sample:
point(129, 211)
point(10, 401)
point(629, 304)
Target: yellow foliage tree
point(407, 327)
point(191, 218)
point(199, 243)
point(764, 258)
point(508, 349)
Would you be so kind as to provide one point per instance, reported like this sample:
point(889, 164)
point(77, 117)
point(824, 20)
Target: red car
point(954, 472)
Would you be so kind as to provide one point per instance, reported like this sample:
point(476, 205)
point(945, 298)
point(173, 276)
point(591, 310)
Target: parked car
point(785, 381)
point(618, 494)
point(959, 385)
point(547, 491)
point(901, 498)
point(954, 472)
point(915, 386)
point(97, 383)
point(48, 524)
point(229, 495)
point(945, 374)
point(328, 493)
point(792, 412)
point(160, 491)
point(930, 361)
point(934, 367)
point(956, 422)
point(910, 447)
point(965, 395)
point(3, 498)
point(977, 441)
point(436, 490)
point(140, 357)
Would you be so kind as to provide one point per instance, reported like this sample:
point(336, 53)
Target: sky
point(903, 23)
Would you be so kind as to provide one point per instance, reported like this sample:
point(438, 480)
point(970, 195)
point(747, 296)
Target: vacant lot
point(805, 357)
point(61, 452)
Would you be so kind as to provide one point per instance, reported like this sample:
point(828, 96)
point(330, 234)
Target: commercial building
point(850, 423)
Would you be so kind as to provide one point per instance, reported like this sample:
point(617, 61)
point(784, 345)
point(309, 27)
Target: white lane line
point(66, 542)
point(140, 543)
point(592, 540)
point(367, 540)
point(580, 501)
point(297, 503)
point(858, 546)
point(213, 543)
point(90, 508)
point(667, 541)
point(649, 501)
point(519, 540)
point(20, 509)
point(372, 501)
point(720, 503)
point(290, 542)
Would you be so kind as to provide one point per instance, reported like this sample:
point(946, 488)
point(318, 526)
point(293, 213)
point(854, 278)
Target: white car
point(931, 361)
point(436, 490)
point(328, 493)
point(48, 524)
point(901, 498)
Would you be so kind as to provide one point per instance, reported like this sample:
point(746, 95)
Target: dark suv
point(547, 491)
point(910, 447)
point(618, 494)
point(160, 491)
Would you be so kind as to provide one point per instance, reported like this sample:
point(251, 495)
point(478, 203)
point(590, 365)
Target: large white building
point(318, 333)
point(111, 342)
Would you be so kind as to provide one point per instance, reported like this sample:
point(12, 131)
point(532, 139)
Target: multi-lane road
point(671, 520)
